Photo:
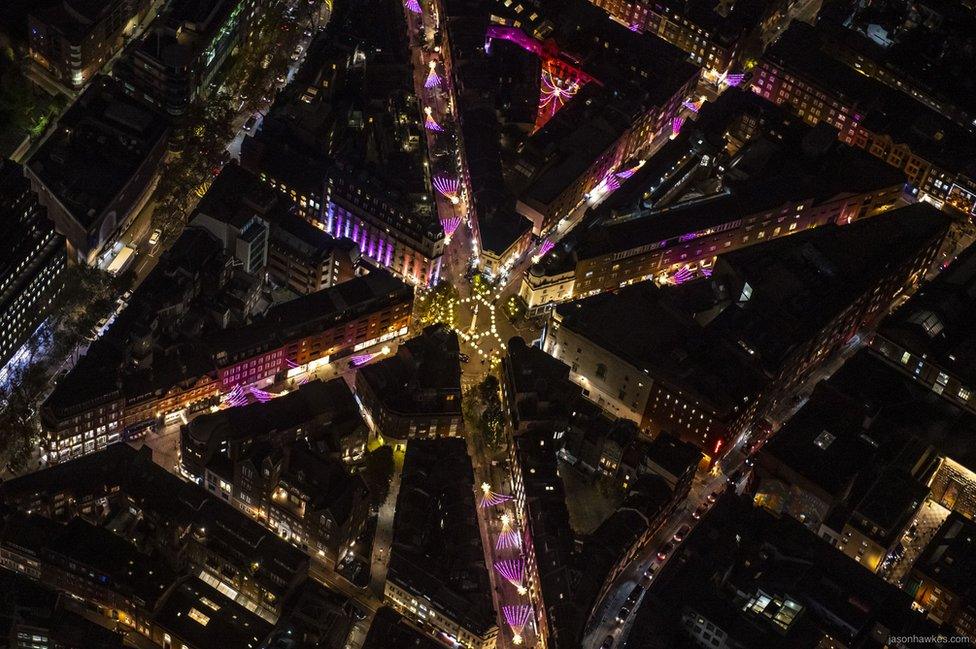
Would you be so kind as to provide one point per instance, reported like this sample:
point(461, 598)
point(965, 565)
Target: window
point(601, 371)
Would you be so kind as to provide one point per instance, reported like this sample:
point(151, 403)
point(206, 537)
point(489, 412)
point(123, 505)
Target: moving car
point(698, 513)
point(154, 237)
point(249, 124)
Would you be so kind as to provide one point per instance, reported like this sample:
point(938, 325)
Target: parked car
point(249, 124)
point(623, 614)
point(154, 237)
point(607, 642)
point(665, 550)
point(682, 532)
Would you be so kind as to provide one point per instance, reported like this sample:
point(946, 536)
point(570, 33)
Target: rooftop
point(304, 314)
point(552, 535)
point(437, 550)
point(424, 376)
point(798, 284)
point(673, 455)
point(99, 145)
point(672, 346)
point(792, 174)
point(389, 629)
point(801, 50)
point(949, 558)
point(767, 582)
point(316, 403)
point(936, 322)
point(202, 616)
point(350, 116)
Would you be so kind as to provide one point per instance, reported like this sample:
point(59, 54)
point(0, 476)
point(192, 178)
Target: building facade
point(417, 392)
point(181, 52)
point(32, 263)
point(71, 41)
point(98, 168)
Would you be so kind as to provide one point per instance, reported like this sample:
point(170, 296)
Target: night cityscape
point(487, 324)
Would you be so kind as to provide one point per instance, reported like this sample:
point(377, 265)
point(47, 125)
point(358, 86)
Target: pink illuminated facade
point(403, 237)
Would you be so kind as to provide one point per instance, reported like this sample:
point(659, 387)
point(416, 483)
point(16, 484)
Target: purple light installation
point(676, 124)
point(362, 359)
point(236, 397)
point(508, 539)
point(510, 569)
point(514, 35)
point(290, 363)
point(491, 499)
point(450, 225)
point(707, 272)
point(624, 174)
point(693, 106)
point(431, 125)
point(413, 6)
point(735, 79)
point(517, 616)
point(682, 276)
point(448, 187)
point(433, 79)
point(260, 395)
point(546, 246)
point(552, 95)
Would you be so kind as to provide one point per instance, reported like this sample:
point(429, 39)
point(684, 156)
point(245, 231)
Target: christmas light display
point(517, 617)
point(236, 397)
point(508, 538)
point(241, 396)
point(693, 106)
point(490, 499)
point(624, 174)
point(429, 122)
point(552, 95)
point(433, 79)
point(448, 187)
point(414, 6)
point(361, 359)
point(676, 124)
point(682, 276)
point(546, 246)
point(511, 569)
point(450, 225)
point(734, 80)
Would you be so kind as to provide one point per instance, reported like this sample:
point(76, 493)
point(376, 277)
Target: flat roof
point(672, 347)
point(437, 550)
point(423, 377)
point(99, 144)
point(800, 283)
point(936, 323)
point(791, 177)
